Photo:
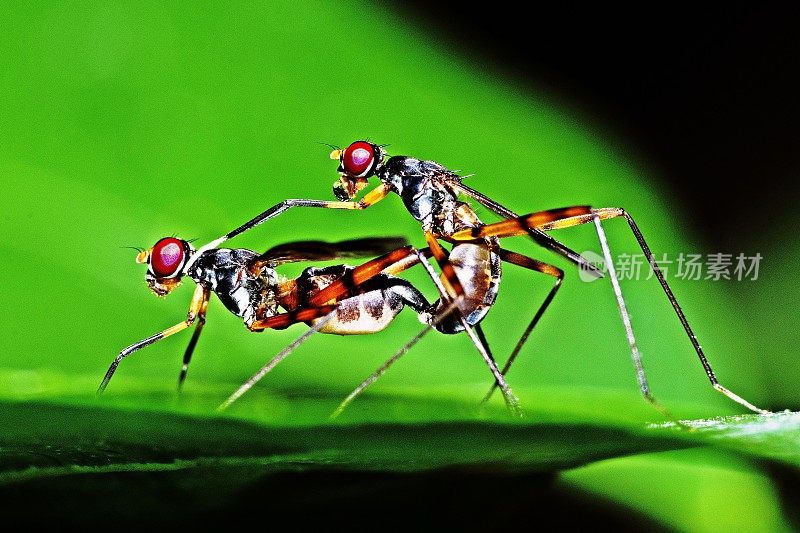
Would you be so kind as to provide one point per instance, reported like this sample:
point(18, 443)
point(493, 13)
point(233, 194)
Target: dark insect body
point(248, 285)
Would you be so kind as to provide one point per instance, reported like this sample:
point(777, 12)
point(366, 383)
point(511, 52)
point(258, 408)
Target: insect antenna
point(140, 250)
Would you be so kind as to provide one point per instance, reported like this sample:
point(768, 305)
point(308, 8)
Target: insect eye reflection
point(358, 159)
point(167, 257)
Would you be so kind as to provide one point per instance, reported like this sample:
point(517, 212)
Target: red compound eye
point(358, 159)
point(167, 257)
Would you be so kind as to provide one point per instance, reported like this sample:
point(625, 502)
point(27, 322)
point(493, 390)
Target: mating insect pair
point(470, 271)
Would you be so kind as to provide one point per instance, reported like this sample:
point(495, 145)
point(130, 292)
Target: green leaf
point(134, 450)
point(775, 437)
point(99, 439)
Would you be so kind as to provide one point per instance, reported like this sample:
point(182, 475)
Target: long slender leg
point(199, 299)
point(615, 212)
point(607, 213)
point(383, 264)
point(454, 289)
point(457, 289)
point(394, 261)
point(452, 283)
point(376, 195)
point(453, 286)
point(371, 198)
point(284, 320)
point(187, 355)
point(452, 307)
point(439, 254)
point(538, 266)
point(548, 220)
point(578, 215)
point(397, 355)
point(539, 236)
point(343, 286)
point(247, 385)
point(485, 343)
point(626, 319)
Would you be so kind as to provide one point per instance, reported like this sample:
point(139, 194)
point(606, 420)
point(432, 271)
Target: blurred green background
point(124, 123)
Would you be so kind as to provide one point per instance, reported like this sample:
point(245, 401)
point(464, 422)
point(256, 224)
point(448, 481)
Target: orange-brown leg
point(442, 258)
point(325, 300)
point(452, 284)
point(538, 235)
point(323, 306)
point(284, 320)
point(521, 225)
point(548, 220)
point(392, 262)
point(199, 301)
point(451, 287)
point(564, 218)
point(344, 286)
point(457, 290)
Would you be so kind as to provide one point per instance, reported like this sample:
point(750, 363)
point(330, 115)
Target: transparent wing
point(291, 252)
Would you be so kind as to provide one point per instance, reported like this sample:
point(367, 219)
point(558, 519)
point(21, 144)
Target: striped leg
point(573, 216)
point(325, 300)
point(452, 307)
point(334, 292)
point(550, 219)
point(537, 234)
point(457, 291)
point(407, 256)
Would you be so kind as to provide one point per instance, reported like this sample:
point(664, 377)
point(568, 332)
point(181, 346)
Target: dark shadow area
point(787, 483)
point(101, 468)
point(705, 95)
point(39, 444)
point(357, 500)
